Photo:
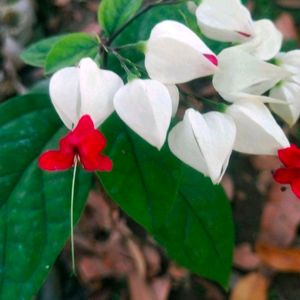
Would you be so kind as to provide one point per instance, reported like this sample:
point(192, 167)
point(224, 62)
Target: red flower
point(84, 143)
point(290, 174)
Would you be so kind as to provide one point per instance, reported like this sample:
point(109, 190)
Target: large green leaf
point(34, 205)
point(70, 49)
point(36, 54)
point(114, 14)
point(184, 211)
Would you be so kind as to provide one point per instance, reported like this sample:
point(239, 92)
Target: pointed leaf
point(189, 216)
point(36, 54)
point(34, 205)
point(69, 50)
point(114, 14)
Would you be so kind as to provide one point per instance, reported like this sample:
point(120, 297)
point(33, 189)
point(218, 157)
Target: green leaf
point(189, 216)
point(35, 55)
point(114, 14)
point(34, 205)
point(69, 50)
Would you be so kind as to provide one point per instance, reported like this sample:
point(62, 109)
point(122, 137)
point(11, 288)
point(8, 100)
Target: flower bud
point(227, 21)
point(257, 130)
point(77, 91)
point(175, 54)
point(146, 107)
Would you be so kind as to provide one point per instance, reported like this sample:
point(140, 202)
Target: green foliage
point(69, 50)
point(114, 14)
point(184, 211)
point(34, 205)
point(36, 54)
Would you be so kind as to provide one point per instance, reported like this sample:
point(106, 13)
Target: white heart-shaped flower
point(289, 91)
point(146, 107)
point(204, 142)
point(175, 54)
point(291, 62)
point(240, 72)
point(174, 93)
point(76, 91)
point(227, 21)
point(265, 42)
point(257, 130)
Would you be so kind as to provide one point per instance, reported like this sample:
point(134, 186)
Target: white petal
point(241, 72)
point(174, 93)
point(266, 41)
point(175, 54)
point(146, 107)
point(97, 89)
point(204, 142)
point(289, 92)
point(257, 130)
point(248, 97)
point(227, 21)
point(65, 96)
point(290, 61)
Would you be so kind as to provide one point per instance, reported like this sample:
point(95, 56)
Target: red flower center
point(212, 58)
point(84, 143)
point(244, 34)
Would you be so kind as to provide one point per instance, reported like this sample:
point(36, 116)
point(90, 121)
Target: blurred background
point(115, 258)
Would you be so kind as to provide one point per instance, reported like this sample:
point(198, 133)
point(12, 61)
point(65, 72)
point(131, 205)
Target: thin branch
point(141, 12)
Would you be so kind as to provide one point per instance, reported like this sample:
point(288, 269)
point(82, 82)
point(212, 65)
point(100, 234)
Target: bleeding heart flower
point(175, 54)
point(146, 107)
point(76, 91)
point(84, 143)
point(290, 173)
point(227, 21)
point(288, 90)
point(230, 21)
point(265, 42)
point(257, 131)
point(204, 142)
point(241, 76)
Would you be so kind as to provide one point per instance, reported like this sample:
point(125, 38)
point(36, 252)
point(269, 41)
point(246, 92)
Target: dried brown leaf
point(251, 287)
point(280, 259)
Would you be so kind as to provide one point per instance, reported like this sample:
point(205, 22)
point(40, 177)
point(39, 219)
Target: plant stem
point(72, 215)
point(213, 104)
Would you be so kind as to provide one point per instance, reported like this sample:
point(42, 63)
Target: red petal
point(290, 156)
point(98, 162)
point(284, 175)
point(92, 144)
point(296, 187)
point(212, 58)
point(55, 161)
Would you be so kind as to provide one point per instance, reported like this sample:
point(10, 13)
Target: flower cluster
point(242, 75)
